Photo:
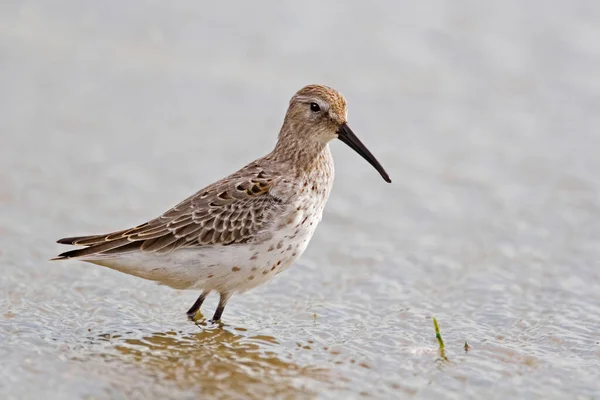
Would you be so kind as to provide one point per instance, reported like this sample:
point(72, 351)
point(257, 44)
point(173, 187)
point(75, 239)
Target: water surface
point(484, 114)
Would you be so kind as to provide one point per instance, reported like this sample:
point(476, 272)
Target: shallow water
point(485, 116)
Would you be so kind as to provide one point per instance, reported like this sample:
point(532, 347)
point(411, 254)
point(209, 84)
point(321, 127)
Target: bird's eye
point(314, 107)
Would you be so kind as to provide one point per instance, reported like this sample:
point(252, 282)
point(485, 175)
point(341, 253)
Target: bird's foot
point(195, 315)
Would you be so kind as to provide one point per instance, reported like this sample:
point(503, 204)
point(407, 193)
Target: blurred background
point(485, 115)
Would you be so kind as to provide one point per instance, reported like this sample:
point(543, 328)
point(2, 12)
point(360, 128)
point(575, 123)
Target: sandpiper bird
point(240, 231)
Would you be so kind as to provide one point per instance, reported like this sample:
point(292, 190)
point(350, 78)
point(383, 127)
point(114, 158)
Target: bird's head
point(318, 114)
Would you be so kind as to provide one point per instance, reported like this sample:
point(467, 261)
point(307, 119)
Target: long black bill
point(346, 135)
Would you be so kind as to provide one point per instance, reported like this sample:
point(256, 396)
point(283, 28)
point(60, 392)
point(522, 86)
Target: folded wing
point(227, 212)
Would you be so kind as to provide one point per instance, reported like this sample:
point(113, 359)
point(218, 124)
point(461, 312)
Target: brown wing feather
point(230, 211)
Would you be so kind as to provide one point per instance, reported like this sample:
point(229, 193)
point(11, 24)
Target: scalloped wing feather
point(230, 211)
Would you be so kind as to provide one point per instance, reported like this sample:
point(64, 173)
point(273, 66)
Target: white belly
point(233, 268)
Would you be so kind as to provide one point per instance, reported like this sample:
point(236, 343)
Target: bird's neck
point(303, 156)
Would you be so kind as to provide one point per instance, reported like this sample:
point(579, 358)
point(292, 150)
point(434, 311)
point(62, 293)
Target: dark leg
point(221, 307)
point(194, 309)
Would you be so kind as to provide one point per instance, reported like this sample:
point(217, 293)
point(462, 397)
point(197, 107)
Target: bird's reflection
point(217, 361)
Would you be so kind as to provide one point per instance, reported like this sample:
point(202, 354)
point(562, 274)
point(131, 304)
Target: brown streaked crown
point(334, 99)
